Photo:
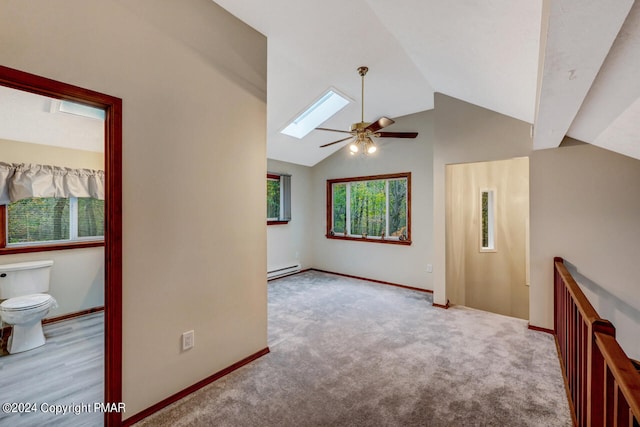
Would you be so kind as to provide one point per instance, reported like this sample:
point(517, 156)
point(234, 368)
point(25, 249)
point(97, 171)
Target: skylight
point(328, 104)
point(82, 110)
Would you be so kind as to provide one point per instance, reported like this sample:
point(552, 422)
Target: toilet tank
point(24, 278)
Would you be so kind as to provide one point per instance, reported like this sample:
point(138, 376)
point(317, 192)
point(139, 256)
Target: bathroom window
point(370, 208)
point(487, 226)
point(278, 198)
point(43, 221)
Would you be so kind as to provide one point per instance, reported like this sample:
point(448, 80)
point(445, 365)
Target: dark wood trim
point(3, 228)
point(371, 177)
point(539, 329)
point(446, 306)
point(72, 315)
point(567, 388)
point(276, 221)
point(372, 280)
point(370, 240)
point(113, 213)
point(187, 391)
point(41, 247)
point(51, 247)
point(6, 331)
point(329, 207)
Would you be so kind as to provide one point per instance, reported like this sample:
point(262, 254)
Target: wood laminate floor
point(64, 374)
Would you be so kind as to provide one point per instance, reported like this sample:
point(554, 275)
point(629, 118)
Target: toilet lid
point(25, 302)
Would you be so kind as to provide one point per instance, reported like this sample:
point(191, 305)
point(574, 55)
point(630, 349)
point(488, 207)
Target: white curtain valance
point(25, 180)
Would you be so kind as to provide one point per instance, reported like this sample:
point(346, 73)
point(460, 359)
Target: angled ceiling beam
point(579, 36)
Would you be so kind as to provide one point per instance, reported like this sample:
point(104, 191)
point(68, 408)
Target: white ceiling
point(570, 67)
point(31, 118)
point(582, 82)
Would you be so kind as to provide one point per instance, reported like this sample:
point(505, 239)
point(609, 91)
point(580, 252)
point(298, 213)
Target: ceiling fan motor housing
point(359, 126)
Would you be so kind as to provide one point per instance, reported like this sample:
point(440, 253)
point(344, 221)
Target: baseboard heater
point(283, 271)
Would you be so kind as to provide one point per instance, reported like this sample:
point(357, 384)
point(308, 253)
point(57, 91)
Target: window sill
point(52, 247)
point(277, 222)
point(368, 240)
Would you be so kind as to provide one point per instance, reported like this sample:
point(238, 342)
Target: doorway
point(113, 214)
point(487, 236)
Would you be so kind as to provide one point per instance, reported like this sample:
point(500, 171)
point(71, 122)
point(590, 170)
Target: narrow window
point(371, 208)
point(487, 229)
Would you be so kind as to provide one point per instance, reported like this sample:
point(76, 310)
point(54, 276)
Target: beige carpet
point(346, 352)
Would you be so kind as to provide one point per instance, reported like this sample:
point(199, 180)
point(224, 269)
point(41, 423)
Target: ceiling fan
point(363, 132)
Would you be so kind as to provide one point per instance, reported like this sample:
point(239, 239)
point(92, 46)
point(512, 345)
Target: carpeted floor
point(346, 352)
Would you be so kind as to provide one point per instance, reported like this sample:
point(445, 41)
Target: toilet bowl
point(25, 313)
point(23, 288)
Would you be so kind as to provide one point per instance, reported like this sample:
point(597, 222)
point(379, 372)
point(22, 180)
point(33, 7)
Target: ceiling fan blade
point(382, 122)
point(396, 134)
point(335, 142)
point(335, 130)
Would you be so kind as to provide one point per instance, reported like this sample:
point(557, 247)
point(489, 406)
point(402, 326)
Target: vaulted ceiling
point(569, 67)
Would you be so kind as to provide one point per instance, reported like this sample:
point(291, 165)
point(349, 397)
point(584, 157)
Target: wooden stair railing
point(604, 387)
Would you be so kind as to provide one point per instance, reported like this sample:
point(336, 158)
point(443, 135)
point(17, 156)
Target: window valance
point(25, 180)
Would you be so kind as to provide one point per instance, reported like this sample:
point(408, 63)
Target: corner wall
point(585, 207)
point(193, 80)
point(467, 133)
point(290, 243)
point(406, 265)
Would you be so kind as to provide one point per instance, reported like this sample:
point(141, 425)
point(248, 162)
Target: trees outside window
point(278, 198)
point(374, 208)
point(36, 221)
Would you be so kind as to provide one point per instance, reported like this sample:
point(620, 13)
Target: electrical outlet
point(188, 340)
point(429, 268)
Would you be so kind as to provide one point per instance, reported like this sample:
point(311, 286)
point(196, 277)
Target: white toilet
point(22, 287)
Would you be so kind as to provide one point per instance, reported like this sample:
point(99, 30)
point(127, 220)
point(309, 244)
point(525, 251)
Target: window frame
point(371, 239)
point(280, 220)
point(491, 221)
point(57, 245)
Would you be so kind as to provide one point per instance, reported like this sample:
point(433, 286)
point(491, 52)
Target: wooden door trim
point(113, 205)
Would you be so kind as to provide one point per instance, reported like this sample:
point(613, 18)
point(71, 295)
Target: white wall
point(193, 81)
point(24, 152)
point(290, 243)
point(585, 207)
point(77, 275)
point(406, 265)
point(492, 280)
point(466, 133)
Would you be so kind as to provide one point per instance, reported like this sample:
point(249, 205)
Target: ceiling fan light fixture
point(362, 132)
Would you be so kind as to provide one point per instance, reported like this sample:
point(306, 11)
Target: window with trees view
point(373, 208)
point(37, 221)
point(487, 208)
point(278, 198)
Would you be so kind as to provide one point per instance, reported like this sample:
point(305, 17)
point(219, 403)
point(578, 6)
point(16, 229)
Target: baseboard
point(6, 331)
point(539, 329)
point(445, 306)
point(72, 315)
point(373, 280)
point(290, 274)
point(187, 391)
